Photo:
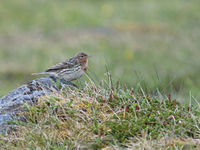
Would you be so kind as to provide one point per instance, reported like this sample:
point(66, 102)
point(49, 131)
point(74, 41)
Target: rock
point(28, 93)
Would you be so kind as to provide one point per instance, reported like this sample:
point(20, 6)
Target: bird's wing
point(69, 70)
point(60, 66)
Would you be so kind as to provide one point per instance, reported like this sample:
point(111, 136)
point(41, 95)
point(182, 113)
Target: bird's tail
point(39, 73)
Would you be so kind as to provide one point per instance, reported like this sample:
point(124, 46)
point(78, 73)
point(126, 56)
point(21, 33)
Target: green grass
point(152, 43)
point(97, 118)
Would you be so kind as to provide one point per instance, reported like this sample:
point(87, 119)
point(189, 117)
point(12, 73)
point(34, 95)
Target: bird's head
point(82, 57)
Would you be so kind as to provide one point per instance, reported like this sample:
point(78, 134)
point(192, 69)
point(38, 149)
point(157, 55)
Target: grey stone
point(14, 102)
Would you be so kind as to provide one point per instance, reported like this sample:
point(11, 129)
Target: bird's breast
point(85, 66)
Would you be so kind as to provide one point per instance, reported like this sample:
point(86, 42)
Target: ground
point(152, 43)
point(105, 118)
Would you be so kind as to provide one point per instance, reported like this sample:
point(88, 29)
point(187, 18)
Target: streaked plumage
point(70, 69)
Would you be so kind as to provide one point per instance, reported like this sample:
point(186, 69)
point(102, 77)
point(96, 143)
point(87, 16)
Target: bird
point(70, 69)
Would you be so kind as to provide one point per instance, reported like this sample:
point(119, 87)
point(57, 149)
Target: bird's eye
point(81, 56)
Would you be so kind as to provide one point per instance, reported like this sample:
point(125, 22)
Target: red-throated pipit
point(70, 69)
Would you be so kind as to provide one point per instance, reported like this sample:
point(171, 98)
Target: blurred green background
point(151, 43)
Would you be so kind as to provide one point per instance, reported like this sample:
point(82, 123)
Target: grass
point(150, 45)
point(153, 43)
point(111, 118)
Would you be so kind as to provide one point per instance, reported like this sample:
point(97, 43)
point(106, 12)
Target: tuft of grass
point(97, 118)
